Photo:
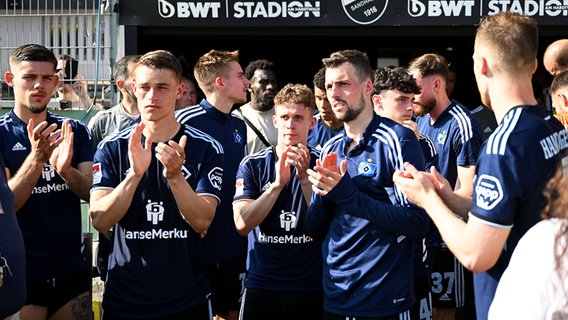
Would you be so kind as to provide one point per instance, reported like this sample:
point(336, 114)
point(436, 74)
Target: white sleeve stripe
point(497, 142)
point(390, 138)
point(464, 123)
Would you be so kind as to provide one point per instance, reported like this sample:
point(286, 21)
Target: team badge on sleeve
point(97, 174)
point(488, 192)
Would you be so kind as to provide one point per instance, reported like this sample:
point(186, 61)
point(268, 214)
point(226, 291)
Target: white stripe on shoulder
point(185, 114)
point(257, 155)
point(387, 135)
point(464, 123)
point(498, 140)
point(331, 142)
point(198, 134)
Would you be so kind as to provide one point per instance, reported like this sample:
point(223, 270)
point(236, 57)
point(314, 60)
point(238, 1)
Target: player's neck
point(163, 130)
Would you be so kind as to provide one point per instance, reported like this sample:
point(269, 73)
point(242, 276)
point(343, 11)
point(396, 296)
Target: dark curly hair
point(394, 78)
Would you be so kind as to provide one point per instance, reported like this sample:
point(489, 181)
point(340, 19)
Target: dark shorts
point(200, 312)
point(452, 283)
point(422, 308)
point(227, 284)
point(54, 293)
point(259, 304)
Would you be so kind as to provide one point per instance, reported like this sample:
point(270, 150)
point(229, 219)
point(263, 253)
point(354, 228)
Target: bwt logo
point(437, 8)
point(187, 9)
point(489, 192)
point(241, 9)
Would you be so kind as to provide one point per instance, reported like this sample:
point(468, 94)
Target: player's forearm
point(78, 182)
point(459, 204)
point(198, 211)
point(249, 216)
point(25, 179)
point(106, 207)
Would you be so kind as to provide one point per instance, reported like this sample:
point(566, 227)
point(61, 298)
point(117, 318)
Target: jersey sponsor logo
point(239, 187)
point(48, 172)
point(155, 212)
point(367, 169)
point(364, 11)
point(156, 234)
point(488, 192)
point(285, 239)
point(97, 174)
point(216, 177)
point(288, 220)
point(18, 147)
point(53, 187)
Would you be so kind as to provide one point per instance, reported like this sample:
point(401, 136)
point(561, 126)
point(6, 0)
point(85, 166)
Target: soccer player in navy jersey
point(271, 201)
point(157, 184)
point(514, 164)
point(49, 167)
point(369, 228)
point(327, 124)
point(393, 96)
point(224, 84)
point(12, 254)
point(457, 139)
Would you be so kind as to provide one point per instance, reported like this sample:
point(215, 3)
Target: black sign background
point(231, 13)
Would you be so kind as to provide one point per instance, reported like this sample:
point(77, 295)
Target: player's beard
point(424, 108)
point(36, 109)
point(352, 113)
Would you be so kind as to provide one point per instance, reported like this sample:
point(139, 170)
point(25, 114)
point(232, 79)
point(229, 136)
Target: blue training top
point(222, 242)
point(13, 291)
point(457, 138)
point(282, 255)
point(320, 133)
point(515, 164)
point(156, 267)
point(50, 219)
point(370, 228)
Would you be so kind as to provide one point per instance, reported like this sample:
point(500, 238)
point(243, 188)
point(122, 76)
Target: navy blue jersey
point(370, 228)
point(321, 133)
point(13, 291)
point(222, 242)
point(282, 255)
point(458, 139)
point(156, 266)
point(50, 219)
point(514, 166)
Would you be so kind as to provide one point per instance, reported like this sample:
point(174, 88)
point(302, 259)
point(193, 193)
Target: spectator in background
point(189, 95)
point(327, 124)
point(109, 122)
point(221, 76)
point(284, 277)
point(559, 94)
point(258, 112)
point(49, 163)
point(72, 90)
point(555, 60)
point(158, 184)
